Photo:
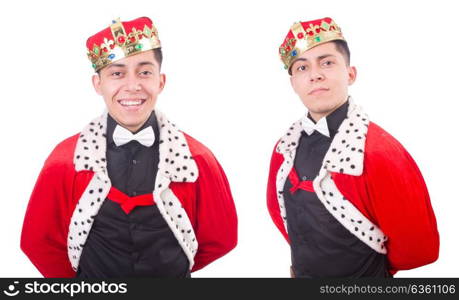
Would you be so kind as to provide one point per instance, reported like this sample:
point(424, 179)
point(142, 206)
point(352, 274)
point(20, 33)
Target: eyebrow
point(116, 65)
point(324, 56)
point(145, 63)
point(142, 63)
point(318, 58)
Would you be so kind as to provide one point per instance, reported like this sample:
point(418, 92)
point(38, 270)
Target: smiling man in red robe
point(130, 195)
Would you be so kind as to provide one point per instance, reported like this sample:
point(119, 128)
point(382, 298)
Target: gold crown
point(121, 44)
point(299, 39)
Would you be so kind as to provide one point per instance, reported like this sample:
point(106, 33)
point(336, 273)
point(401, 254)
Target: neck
point(316, 116)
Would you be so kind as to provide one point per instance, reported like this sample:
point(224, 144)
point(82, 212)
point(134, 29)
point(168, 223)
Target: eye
point(301, 68)
point(116, 74)
point(145, 73)
point(328, 63)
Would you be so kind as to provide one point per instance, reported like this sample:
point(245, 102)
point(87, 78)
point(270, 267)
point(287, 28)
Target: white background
point(227, 88)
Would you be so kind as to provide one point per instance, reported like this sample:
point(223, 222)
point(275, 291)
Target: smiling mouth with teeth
point(131, 102)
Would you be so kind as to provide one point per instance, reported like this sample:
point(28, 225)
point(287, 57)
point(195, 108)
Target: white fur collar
point(176, 164)
point(176, 161)
point(345, 154)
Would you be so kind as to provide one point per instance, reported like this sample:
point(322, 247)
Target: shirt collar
point(334, 119)
point(151, 121)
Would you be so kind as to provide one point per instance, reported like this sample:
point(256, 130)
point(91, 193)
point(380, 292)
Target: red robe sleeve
point(46, 222)
point(393, 194)
point(215, 212)
point(273, 204)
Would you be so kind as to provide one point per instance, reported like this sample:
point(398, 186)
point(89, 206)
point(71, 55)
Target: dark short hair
point(342, 47)
point(157, 53)
point(159, 56)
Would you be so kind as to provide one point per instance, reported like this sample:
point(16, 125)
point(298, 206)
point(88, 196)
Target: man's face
point(320, 77)
point(130, 87)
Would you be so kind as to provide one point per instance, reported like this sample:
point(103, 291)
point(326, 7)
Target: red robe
point(382, 183)
point(70, 179)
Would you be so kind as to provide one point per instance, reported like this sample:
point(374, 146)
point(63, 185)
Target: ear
point(96, 83)
point(352, 73)
point(162, 81)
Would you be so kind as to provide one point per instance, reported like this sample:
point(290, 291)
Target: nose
point(316, 75)
point(132, 83)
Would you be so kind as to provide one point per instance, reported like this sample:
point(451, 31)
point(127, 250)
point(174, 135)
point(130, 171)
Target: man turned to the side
point(345, 194)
